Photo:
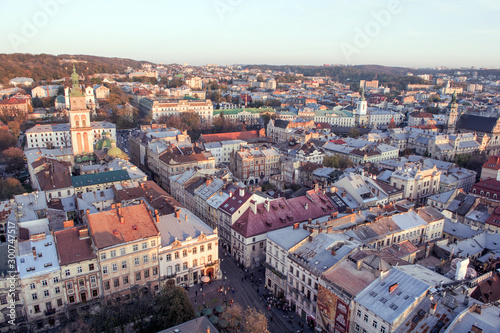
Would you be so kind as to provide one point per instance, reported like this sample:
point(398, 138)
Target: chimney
point(88, 211)
point(306, 206)
point(157, 218)
point(156, 211)
point(475, 329)
point(253, 205)
point(242, 192)
point(34, 252)
point(177, 213)
point(83, 233)
point(316, 187)
point(266, 205)
point(433, 307)
point(333, 252)
point(186, 217)
point(208, 329)
point(359, 264)
point(122, 220)
point(208, 181)
point(296, 225)
point(68, 224)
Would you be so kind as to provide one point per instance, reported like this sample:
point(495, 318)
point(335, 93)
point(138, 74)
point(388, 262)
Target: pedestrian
point(196, 293)
point(203, 295)
point(201, 289)
point(242, 279)
point(271, 319)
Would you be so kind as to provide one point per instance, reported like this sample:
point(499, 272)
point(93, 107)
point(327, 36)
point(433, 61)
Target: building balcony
point(50, 312)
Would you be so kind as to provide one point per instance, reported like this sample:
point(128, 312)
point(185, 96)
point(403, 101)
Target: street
point(245, 294)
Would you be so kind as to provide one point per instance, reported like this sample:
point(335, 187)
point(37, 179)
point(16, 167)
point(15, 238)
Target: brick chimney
point(186, 217)
point(68, 224)
point(177, 213)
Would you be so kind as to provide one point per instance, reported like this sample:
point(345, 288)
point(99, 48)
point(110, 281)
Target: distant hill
point(392, 77)
point(50, 67)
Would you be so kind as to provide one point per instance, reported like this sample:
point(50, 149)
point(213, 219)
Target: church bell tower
point(82, 135)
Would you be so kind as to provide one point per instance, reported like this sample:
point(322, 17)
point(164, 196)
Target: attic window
point(40, 254)
point(373, 294)
point(48, 264)
point(393, 306)
point(48, 244)
point(22, 260)
point(406, 297)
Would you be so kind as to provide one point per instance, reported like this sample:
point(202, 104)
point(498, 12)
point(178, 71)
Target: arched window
point(84, 121)
point(77, 121)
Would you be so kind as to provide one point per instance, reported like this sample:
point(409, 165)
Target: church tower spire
point(452, 115)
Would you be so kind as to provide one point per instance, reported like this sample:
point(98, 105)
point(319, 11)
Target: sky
point(407, 33)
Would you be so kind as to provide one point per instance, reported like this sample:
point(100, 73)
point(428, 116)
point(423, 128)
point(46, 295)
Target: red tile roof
point(494, 219)
point(121, 225)
point(492, 163)
point(489, 188)
point(71, 248)
point(421, 115)
point(233, 203)
point(152, 193)
point(283, 213)
point(229, 136)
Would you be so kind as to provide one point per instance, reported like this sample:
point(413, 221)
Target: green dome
point(115, 151)
point(104, 143)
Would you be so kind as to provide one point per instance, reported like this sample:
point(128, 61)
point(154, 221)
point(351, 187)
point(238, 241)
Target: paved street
point(245, 294)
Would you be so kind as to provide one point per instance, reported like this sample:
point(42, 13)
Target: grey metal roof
point(391, 305)
point(287, 237)
point(172, 228)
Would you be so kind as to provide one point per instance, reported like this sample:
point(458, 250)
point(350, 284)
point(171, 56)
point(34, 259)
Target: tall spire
point(75, 89)
point(363, 94)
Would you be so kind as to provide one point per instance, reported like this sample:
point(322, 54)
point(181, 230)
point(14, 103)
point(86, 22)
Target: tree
point(15, 159)
point(407, 151)
point(434, 98)
point(7, 139)
point(172, 307)
point(233, 316)
point(254, 321)
point(338, 162)
point(14, 127)
point(353, 133)
point(192, 120)
point(260, 78)
point(10, 187)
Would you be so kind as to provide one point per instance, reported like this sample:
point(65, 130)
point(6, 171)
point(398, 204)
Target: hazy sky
point(387, 32)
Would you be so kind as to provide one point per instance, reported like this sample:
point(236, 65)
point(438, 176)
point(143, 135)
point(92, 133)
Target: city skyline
point(390, 33)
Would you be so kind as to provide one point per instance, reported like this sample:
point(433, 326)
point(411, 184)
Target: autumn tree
point(10, 187)
point(253, 321)
point(14, 127)
point(338, 162)
point(233, 315)
point(7, 139)
point(15, 159)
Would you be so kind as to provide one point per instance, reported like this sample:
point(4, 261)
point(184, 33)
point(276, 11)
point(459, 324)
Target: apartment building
point(39, 273)
point(189, 249)
point(415, 182)
point(126, 241)
point(248, 234)
point(165, 107)
point(253, 165)
point(80, 274)
point(418, 227)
